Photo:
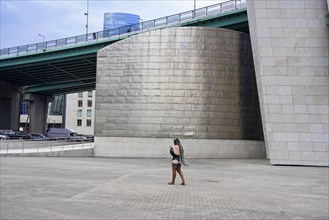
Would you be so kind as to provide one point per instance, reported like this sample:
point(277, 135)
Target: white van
point(60, 133)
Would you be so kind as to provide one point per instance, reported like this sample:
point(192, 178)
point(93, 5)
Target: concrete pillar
point(290, 50)
point(9, 106)
point(38, 111)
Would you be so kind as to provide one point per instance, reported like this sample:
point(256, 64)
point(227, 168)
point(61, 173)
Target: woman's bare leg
point(174, 169)
point(181, 173)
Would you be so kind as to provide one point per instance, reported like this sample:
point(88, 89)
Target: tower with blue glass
point(115, 23)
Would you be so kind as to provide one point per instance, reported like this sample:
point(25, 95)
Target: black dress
point(174, 156)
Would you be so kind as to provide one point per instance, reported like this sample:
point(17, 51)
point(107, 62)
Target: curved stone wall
point(180, 82)
point(197, 84)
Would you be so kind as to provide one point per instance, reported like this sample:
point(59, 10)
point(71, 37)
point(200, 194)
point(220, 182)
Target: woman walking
point(177, 152)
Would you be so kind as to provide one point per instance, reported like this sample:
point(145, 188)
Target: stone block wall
point(188, 82)
point(181, 82)
point(290, 49)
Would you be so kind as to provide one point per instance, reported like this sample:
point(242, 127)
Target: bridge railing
point(128, 29)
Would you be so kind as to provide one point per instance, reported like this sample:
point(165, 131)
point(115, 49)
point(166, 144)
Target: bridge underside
point(54, 73)
point(70, 70)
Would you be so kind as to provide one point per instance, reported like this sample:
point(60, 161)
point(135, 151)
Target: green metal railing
point(128, 29)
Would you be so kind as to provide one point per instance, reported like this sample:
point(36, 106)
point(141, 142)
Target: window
point(24, 108)
point(79, 103)
point(79, 113)
point(80, 94)
point(88, 113)
point(88, 122)
point(79, 122)
point(90, 94)
point(90, 103)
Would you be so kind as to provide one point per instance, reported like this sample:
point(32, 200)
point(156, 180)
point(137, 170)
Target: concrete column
point(9, 106)
point(290, 50)
point(38, 111)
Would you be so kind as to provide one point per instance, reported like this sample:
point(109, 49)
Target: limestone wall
point(290, 49)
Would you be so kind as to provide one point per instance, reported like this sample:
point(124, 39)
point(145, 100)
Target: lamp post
point(87, 14)
point(43, 37)
point(194, 9)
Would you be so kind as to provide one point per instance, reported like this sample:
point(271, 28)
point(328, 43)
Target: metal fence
point(128, 29)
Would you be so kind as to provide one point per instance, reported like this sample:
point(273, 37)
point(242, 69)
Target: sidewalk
point(123, 188)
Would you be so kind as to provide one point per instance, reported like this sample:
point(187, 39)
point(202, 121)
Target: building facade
point(80, 108)
point(120, 22)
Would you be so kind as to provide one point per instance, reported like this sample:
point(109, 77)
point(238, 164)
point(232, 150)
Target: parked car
point(78, 137)
point(12, 134)
point(60, 133)
point(39, 137)
point(90, 138)
point(3, 136)
point(81, 137)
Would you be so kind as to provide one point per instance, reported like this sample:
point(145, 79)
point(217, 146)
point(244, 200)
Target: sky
point(21, 21)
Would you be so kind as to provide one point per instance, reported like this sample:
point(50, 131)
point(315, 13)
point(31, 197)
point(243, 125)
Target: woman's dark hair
point(176, 141)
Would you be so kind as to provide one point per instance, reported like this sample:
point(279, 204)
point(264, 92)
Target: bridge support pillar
point(9, 106)
point(38, 111)
point(291, 65)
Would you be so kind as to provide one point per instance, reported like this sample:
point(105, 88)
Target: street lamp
point(194, 8)
point(141, 23)
point(43, 37)
point(87, 14)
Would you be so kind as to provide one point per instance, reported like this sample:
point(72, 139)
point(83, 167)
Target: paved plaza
point(124, 188)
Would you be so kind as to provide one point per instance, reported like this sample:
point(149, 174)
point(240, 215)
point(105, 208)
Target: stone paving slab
point(124, 188)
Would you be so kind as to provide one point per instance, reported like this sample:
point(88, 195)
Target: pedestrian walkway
point(123, 188)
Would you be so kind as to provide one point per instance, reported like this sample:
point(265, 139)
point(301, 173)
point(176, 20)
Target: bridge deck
point(71, 67)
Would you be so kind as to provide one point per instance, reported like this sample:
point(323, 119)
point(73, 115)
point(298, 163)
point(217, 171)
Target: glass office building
point(115, 23)
point(57, 106)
